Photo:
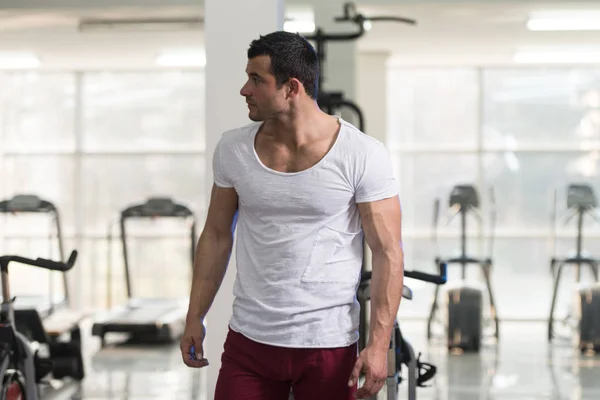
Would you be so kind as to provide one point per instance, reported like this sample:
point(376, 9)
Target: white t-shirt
point(299, 243)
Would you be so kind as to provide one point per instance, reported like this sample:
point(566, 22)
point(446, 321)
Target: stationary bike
point(22, 364)
point(400, 351)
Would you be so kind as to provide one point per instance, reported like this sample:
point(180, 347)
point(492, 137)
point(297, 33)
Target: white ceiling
point(446, 33)
point(469, 33)
point(55, 37)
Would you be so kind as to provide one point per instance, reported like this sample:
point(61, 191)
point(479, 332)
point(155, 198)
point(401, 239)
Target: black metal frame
point(400, 351)
point(463, 260)
point(32, 204)
point(332, 101)
point(154, 208)
point(580, 208)
point(28, 368)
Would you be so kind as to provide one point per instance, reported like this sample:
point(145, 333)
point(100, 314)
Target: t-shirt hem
point(377, 197)
point(332, 345)
point(223, 185)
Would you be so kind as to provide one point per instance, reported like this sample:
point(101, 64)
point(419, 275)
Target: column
point(230, 26)
point(371, 92)
point(371, 96)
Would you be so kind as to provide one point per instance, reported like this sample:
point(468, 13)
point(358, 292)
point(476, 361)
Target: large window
point(93, 144)
point(526, 133)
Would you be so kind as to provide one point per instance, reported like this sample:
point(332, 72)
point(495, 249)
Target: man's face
point(263, 97)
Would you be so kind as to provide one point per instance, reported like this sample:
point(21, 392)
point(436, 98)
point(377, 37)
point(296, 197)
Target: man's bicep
point(222, 208)
point(382, 222)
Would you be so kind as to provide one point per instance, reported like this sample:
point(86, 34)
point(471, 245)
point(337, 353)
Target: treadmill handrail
point(133, 212)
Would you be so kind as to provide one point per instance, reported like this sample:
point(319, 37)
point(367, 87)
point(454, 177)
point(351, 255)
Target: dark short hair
point(292, 56)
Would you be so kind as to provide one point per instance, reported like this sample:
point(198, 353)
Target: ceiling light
point(564, 21)
point(299, 26)
point(140, 24)
point(17, 60)
point(187, 58)
point(557, 57)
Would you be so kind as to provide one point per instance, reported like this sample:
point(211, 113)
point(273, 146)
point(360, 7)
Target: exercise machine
point(32, 204)
point(465, 303)
point(581, 201)
point(45, 320)
point(329, 101)
point(400, 351)
point(23, 366)
point(149, 319)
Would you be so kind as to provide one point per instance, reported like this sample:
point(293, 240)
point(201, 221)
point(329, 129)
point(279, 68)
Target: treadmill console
point(581, 197)
point(26, 203)
point(157, 207)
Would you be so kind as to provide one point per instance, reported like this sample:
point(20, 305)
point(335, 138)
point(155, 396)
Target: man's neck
point(299, 127)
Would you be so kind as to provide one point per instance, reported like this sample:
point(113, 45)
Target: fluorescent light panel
point(18, 60)
point(557, 57)
point(570, 20)
point(299, 26)
point(181, 58)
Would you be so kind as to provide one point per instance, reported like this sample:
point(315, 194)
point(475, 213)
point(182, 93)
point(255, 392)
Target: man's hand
point(191, 344)
point(373, 362)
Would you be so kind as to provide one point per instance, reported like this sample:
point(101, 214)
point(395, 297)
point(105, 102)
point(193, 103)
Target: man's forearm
point(386, 294)
point(210, 265)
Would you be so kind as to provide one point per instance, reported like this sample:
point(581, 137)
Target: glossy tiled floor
point(523, 367)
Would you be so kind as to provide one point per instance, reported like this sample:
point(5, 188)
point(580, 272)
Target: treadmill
point(31, 204)
point(149, 319)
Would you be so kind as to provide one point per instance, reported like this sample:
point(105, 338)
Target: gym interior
point(109, 114)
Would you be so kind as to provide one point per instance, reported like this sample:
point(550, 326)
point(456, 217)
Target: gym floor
point(523, 367)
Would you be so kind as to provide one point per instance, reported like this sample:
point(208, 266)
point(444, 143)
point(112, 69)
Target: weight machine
point(331, 102)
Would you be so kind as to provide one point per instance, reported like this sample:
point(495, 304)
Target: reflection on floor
point(523, 367)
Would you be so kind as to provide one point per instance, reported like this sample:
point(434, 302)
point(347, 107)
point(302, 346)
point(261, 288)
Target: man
point(305, 185)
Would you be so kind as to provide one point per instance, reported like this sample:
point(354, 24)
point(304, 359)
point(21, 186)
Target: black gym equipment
point(42, 320)
point(23, 366)
point(581, 201)
point(331, 102)
point(465, 317)
point(400, 351)
point(149, 319)
point(32, 204)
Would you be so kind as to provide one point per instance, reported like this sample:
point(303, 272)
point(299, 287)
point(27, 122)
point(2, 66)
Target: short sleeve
point(219, 165)
point(376, 180)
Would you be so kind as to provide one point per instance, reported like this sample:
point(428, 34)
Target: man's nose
point(244, 90)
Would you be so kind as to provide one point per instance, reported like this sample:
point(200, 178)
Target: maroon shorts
point(256, 371)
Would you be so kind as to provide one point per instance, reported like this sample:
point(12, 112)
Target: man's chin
point(254, 117)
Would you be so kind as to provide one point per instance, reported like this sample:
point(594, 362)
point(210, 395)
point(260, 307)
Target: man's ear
point(294, 87)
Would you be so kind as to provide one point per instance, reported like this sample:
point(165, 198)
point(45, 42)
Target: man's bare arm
point(213, 251)
point(381, 222)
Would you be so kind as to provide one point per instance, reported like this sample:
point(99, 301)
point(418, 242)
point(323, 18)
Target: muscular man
point(307, 186)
